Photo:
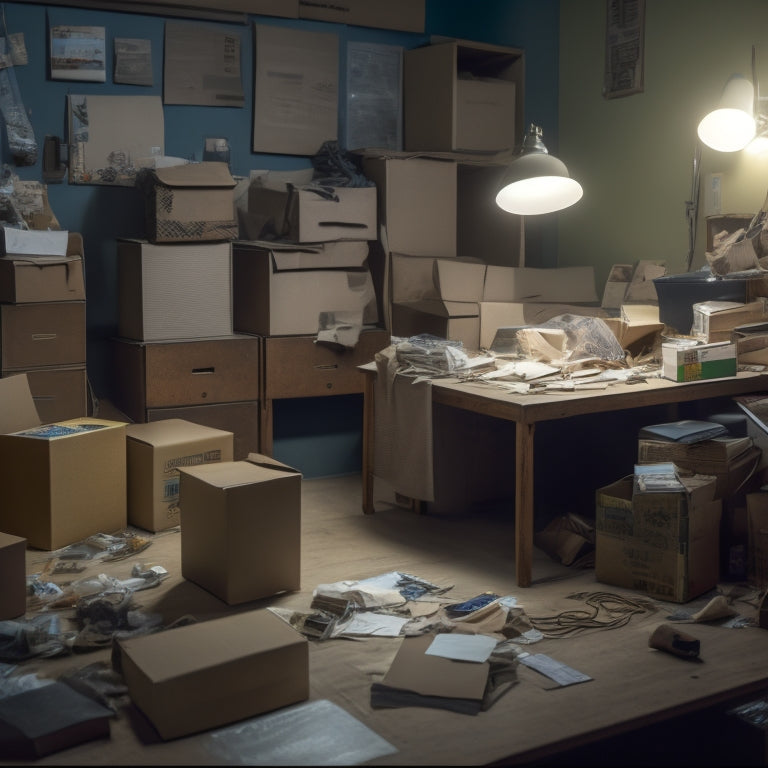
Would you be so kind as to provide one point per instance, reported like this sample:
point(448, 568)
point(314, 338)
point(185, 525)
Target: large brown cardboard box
point(178, 373)
point(59, 483)
point(190, 202)
point(211, 673)
point(59, 392)
point(241, 536)
point(42, 334)
point(666, 545)
point(13, 576)
point(26, 279)
point(461, 96)
point(350, 214)
point(174, 291)
point(154, 452)
point(454, 320)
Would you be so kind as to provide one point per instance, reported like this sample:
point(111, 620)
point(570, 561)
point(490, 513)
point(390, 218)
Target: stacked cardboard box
point(42, 318)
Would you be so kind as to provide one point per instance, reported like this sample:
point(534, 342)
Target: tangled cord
point(606, 611)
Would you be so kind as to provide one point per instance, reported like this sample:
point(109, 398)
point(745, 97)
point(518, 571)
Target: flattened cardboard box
point(154, 453)
point(211, 673)
point(190, 202)
point(241, 537)
point(59, 483)
point(666, 545)
point(26, 278)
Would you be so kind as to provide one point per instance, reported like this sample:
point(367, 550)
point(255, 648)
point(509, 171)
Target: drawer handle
point(327, 367)
point(43, 336)
point(196, 371)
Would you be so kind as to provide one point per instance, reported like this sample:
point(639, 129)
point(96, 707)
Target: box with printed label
point(154, 453)
point(241, 536)
point(210, 673)
point(702, 361)
point(59, 483)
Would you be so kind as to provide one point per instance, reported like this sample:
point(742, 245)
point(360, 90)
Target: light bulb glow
point(727, 130)
point(541, 194)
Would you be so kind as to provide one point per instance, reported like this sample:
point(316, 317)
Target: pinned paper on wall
point(112, 137)
point(78, 53)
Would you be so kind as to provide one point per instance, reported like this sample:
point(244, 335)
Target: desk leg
point(524, 503)
point(369, 415)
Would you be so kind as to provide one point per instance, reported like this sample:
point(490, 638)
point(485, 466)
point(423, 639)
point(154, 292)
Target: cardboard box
point(181, 291)
point(59, 393)
point(273, 300)
point(417, 199)
point(29, 278)
point(154, 453)
point(704, 361)
point(162, 374)
point(563, 285)
point(29, 242)
point(751, 343)
point(189, 203)
point(59, 483)
point(454, 320)
point(461, 96)
point(503, 314)
point(414, 278)
point(241, 419)
point(13, 576)
point(349, 215)
point(663, 544)
point(42, 334)
point(715, 321)
point(755, 408)
point(638, 329)
point(211, 673)
point(241, 537)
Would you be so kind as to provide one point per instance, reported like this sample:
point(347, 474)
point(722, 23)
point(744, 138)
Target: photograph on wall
point(133, 61)
point(78, 53)
point(202, 66)
point(374, 96)
point(295, 91)
point(111, 138)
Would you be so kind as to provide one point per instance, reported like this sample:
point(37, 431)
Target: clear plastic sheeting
point(314, 733)
point(427, 354)
point(587, 337)
point(21, 137)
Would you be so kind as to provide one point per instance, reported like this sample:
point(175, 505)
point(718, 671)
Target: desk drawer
point(182, 373)
point(295, 366)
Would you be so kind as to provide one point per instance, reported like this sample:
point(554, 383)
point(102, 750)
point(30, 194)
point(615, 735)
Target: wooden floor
point(642, 707)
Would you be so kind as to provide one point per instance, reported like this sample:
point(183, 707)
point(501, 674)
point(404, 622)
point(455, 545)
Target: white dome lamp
point(731, 126)
point(536, 182)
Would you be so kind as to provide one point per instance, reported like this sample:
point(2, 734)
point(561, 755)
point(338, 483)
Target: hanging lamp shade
point(536, 182)
point(731, 126)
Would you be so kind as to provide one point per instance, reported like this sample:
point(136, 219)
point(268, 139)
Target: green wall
point(634, 155)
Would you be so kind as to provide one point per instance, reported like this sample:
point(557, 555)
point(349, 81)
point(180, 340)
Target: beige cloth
point(403, 429)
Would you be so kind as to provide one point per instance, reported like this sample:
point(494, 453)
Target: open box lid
point(17, 407)
point(205, 174)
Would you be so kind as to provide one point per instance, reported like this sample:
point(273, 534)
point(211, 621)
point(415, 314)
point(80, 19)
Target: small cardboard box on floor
point(155, 451)
point(211, 673)
point(664, 544)
point(59, 483)
point(241, 536)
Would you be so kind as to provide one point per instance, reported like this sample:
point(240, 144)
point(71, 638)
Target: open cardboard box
point(59, 483)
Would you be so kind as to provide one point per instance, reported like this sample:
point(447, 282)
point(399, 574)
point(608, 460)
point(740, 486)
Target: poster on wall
point(202, 66)
point(78, 53)
point(296, 90)
point(111, 137)
point(624, 48)
point(133, 61)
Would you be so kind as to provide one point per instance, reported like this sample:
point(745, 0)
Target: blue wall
point(318, 437)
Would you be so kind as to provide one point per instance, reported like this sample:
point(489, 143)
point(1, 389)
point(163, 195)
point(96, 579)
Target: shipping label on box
point(702, 361)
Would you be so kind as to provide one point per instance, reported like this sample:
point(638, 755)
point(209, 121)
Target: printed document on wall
point(296, 90)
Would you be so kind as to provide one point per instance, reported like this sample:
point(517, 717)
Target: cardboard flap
point(459, 279)
point(262, 460)
point(340, 254)
point(18, 409)
point(205, 174)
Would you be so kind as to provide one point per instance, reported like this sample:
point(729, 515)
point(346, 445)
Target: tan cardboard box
point(28, 278)
point(666, 545)
point(563, 285)
point(211, 673)
point(349, 215)
point(154, 452)
point(13, 576)
point(60, 393)
point(174, 291)
point(191, 202)
point(59, 483)
point(241, 537)
point(274, 298)
point(454, 320)
point(716, 320)
point(42, 334)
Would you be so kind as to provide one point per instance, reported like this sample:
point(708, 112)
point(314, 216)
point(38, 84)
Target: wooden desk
point(527, 410)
